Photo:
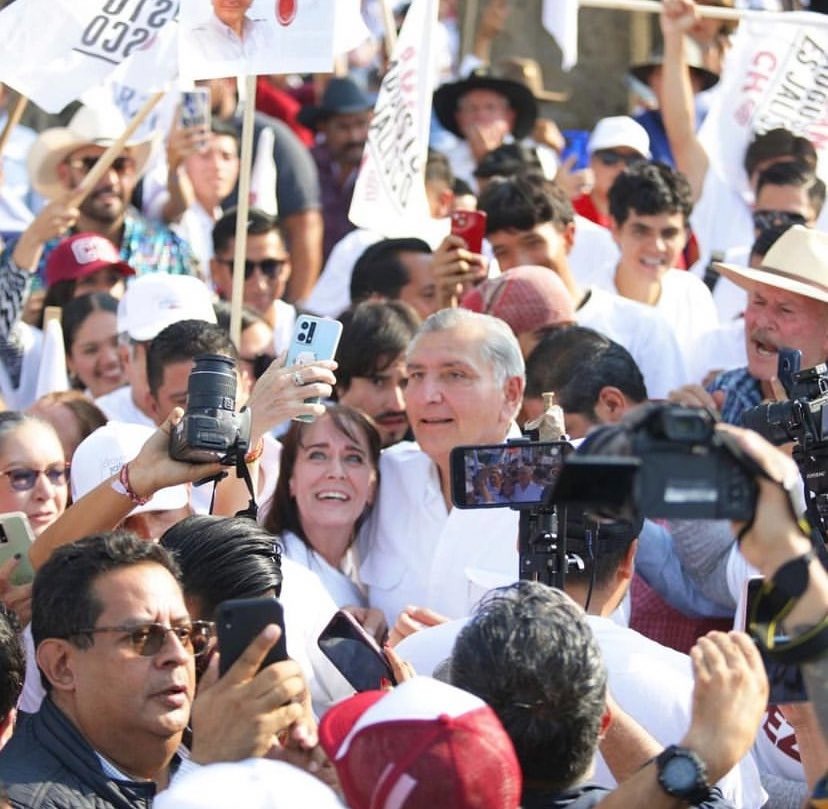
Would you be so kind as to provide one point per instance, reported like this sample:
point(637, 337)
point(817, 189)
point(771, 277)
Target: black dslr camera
point(661, 460)
point(211, 430)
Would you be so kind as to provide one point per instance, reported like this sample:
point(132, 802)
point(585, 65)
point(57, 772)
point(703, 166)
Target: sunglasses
point(608, 157)
point(23, 479)
point(271, 267)
point(260, 363)
point(763, 220)
point(148, 639)
point(121, 165)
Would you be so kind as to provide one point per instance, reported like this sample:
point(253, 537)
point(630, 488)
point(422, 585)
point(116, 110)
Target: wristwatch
point(791, 579)
point(682, 774)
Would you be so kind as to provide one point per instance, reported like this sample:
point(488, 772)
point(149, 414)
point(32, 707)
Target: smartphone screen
point(785, 679)
point(471, 226)
point(239, 621)
point(501, 475)
point(354, 653)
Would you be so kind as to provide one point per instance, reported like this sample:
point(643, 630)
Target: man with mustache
point(787, 308)
point(341, 121)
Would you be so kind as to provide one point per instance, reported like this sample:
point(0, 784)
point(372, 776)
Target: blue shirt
point(742, 390)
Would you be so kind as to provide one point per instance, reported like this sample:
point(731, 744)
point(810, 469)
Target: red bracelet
point(123, 487)
point(256, 452)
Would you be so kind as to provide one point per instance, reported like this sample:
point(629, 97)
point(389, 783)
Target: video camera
point(211, 430)
point(661, 460)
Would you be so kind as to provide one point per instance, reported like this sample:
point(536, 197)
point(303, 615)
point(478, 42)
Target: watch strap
point(695, 793)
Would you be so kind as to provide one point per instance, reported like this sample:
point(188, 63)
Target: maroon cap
point(81, 255)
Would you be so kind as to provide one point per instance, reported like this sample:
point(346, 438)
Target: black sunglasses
point(763, 220)
point(148, 639)
point(610, 157)
point(23, 479)
point(271, 267)
point(121, 165)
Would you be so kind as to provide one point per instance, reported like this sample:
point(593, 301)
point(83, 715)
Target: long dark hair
point(283, 514)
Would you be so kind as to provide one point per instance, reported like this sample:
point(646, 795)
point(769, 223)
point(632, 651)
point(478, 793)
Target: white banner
point(560, 18)
point(776, 75)
point(54, 50)
point(250, 39)
point(389, 196)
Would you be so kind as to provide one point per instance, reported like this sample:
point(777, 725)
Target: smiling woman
point(327, 483)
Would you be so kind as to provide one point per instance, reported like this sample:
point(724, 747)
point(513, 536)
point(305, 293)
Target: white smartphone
point(16, 538)
point(314, 338)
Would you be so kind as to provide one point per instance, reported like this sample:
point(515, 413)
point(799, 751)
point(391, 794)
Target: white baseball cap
point(619, 130)
point(152, 302)
point(101, 454)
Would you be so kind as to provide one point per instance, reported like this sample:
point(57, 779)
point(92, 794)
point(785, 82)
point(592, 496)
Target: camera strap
point(243, 472)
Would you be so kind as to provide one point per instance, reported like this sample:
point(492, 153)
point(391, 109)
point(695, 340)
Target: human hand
point(276, 397)
point(153, 468)
point(402, 669)
point(54, 220)
point(17, 598)
point(456, 268)
point(371, 619)
point(729, 699)
point(184, 141)
point(574, 182)
point(493, 19)
point(238, 715)
point(483, 138)
point(678, 17)
point(413, 619)
point(697, 396)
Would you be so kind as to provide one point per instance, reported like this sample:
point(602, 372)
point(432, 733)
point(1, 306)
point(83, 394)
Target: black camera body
point(661, 460)
point(211, 430)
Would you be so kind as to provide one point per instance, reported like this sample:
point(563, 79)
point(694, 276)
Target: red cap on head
point(81, 255)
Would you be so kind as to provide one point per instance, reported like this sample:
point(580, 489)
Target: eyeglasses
point(121, 165)
point(23, 479)
point(260, 363)
point(271, 267)
point(763, 220)
point(148, 639)
point(609, 157)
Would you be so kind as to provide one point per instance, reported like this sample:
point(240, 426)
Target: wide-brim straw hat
point(695, 62)
point(528, 72)
point(797, 262)
point(90, 126)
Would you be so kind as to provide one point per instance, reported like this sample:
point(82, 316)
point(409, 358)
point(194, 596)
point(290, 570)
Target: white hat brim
point(746, 277)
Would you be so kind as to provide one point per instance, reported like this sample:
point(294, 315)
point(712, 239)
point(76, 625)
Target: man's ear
point(222, 278)
point(513, 389)
point(56, 658)
point(611, 404)
point(626, 567)
point(569, 237)
point(151, 406)
point(614, 228)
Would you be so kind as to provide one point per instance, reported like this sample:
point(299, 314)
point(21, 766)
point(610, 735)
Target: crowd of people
point(638, 678)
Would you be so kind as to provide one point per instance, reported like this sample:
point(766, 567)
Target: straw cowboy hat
point(519, 96)
point(528, 72)
point(96, 126)
point(695, 61)
point(797, 262)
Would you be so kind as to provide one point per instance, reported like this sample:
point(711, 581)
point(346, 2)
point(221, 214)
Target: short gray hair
point(498, 346)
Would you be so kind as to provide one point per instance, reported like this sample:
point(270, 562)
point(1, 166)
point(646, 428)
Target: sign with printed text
point(84, 42)
point(776, 75)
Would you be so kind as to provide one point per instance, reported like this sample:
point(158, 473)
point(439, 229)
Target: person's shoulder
point(728, 379)
point(403, 453)
point(25, 764)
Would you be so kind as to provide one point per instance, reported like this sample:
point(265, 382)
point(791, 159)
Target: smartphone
point(471, 225)
point(195, 107)
point(499, 475)
point(785, 679)
point(355, 653)
point(16, 538)
point(314, 338)
point(576, 144)
point(240, 620)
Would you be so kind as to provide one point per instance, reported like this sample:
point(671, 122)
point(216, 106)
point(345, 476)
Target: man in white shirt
point(531, 222)
point(465, 383)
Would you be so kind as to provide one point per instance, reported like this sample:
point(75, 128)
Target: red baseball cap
point(421, 745)
point(81, 255)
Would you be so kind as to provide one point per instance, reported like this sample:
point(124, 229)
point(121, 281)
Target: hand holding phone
point(471, 227)
point(16, 538)
point(355, 653)
point(314, 338)
point(239, 622)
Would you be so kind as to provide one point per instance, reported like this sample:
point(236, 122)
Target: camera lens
point(212, 384)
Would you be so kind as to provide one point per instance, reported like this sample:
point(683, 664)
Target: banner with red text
point(390, 196)
point(776, 75)
point(54, 50)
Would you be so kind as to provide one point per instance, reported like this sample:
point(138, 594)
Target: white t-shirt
point(414, 551)
point(594, 254)
point(643, 332)
point(339, 582)
point(120, 406)
point(730, 299)
point(719, 350)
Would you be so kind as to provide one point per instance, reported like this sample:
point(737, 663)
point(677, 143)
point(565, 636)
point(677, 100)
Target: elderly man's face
point(484, 108)
point(777, 319)
point(108, 201)
point(453, 396)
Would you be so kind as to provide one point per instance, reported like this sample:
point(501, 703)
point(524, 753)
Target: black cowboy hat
point(518, 95)
point(342, 96)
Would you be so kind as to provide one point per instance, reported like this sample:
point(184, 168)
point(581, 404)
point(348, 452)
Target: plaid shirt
point(743, 391)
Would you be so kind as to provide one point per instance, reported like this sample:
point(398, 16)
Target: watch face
point(680, 773)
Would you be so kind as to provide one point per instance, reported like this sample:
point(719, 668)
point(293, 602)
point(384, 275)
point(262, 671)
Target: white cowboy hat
point(797, 262)
point(98, 126)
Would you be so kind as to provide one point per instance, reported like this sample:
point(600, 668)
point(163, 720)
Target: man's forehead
point(140, 588)
point(92, 149)
point(460, 345)
point(769, 292)
point(481, 95)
